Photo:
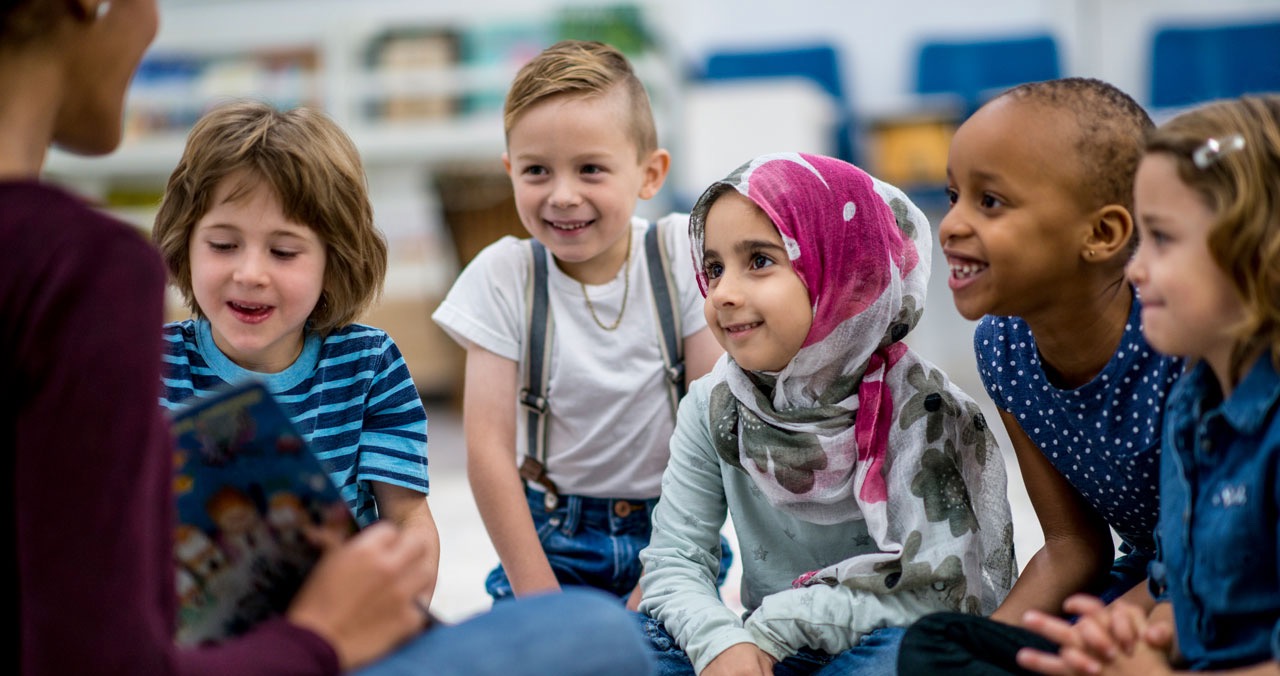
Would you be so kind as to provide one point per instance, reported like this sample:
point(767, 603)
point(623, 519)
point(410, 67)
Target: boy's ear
point(1111, 234)
point(506, 162)
point(654, 168)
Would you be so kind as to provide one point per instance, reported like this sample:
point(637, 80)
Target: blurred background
point(419, 87)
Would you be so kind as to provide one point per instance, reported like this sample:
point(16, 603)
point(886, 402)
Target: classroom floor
point(943, 337)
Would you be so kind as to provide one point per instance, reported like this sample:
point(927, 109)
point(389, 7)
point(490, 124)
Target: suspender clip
point(675, 374)
point(532, 402)
point(535, 472)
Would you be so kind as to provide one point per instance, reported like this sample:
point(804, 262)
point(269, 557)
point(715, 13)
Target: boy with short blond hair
point(582, 68)
point(565, 366)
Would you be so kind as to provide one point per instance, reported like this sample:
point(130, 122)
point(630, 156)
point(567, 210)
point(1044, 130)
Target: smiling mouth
point(966, 270)
point(567, 226)
point(739, 328)
point(249, 310)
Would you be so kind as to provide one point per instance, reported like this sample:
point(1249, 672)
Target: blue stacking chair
point(971, 72)
point(1192, 64)
point(820, 63)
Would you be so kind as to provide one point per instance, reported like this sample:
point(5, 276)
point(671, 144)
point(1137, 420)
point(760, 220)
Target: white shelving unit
point(343, 84)
point(402, 156)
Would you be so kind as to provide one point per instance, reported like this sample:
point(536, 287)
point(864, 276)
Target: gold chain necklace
point(626, 289)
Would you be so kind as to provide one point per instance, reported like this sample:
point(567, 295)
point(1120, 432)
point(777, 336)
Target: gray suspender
point(537, 355)
point(667, 308)
point(538, 350)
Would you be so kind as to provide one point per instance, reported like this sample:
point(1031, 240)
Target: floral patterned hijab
point(857, 425)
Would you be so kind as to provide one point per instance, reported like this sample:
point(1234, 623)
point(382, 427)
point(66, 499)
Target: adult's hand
point(361, 596)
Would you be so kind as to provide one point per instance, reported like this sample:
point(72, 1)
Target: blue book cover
point(247, 487)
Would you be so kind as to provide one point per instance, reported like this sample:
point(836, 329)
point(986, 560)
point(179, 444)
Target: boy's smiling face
point(577, 174)
point(757, 307)
point(1018, 224)
point(255, 274)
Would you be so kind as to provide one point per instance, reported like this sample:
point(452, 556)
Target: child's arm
point(829, 619)
point(393, 447)
point(700, 354)
point(681, 561)
point(488, 418)
point(701, 351)
point(408, 509)
point(1077, 550)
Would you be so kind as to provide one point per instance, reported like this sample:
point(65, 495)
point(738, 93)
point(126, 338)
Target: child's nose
point(726, 292)
point(251, 270)
point(1135, 270)
point(952, 225)
point(564, 194)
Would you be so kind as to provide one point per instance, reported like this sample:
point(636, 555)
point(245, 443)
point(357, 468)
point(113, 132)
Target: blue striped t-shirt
point(349, 394)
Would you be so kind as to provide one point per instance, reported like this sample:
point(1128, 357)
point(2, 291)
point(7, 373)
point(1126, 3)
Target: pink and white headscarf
point(857, 425)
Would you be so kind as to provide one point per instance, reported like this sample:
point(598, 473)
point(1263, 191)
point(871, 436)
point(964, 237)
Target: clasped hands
point(1119, 638)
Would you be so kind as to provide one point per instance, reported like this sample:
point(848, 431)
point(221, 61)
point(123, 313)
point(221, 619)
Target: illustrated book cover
point(247, 487)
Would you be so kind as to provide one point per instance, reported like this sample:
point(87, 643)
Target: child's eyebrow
point(747, 246)
point(1150, 217)
point(988, 176)
point(279, 232)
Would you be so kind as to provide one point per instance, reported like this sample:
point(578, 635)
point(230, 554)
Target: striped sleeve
point(393, 440)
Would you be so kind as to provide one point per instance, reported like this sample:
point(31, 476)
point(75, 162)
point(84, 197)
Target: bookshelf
point(420, 94)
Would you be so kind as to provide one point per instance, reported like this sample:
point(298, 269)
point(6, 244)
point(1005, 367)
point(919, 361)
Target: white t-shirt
point(609, 420)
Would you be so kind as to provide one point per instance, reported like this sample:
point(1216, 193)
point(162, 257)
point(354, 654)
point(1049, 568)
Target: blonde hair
point(314, 170)
point(581, 68)
point(1242, 188)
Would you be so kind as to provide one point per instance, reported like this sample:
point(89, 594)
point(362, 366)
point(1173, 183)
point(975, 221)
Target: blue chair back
point(1190, 65)
point(973, 71)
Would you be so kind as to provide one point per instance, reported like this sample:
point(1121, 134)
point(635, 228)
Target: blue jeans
point(875, 654)
point(592, 542)
point(1127, 571)
point(578, 632)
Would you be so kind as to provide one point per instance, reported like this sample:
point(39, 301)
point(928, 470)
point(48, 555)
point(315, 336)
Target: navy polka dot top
point(1103, 436)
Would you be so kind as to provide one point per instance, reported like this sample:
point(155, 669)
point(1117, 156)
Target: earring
point(102, 9)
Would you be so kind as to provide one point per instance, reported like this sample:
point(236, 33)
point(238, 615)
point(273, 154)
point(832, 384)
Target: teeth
point(741, 327)
point(576, 225)
point(966, 270)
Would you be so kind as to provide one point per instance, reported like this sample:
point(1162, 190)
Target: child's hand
point(1145, 660)
point(1101, 635)
point(633, 601)
point(361, 596)
point(741, 659)
point(1083, 646)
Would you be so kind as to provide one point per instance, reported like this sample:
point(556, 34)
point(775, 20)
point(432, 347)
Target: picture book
point(246, 486)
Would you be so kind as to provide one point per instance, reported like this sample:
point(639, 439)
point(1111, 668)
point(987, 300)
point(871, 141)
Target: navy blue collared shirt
point(1219, 531)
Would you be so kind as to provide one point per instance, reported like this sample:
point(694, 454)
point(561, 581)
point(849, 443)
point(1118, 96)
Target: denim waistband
point(589, 508)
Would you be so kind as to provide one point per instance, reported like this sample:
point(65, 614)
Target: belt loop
point(573, 515)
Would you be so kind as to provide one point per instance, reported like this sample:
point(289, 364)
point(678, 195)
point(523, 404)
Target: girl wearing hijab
point(866, 489)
